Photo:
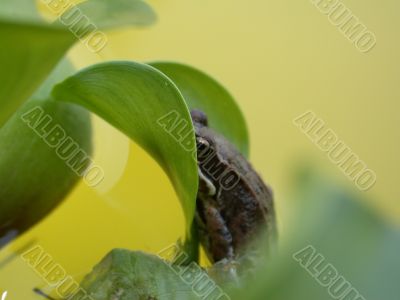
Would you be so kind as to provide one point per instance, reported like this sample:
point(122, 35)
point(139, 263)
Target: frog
point(228, 216)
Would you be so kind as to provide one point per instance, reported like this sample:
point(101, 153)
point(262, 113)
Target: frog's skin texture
point(228, 217)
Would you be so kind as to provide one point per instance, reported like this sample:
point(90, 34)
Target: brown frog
point(233, 203)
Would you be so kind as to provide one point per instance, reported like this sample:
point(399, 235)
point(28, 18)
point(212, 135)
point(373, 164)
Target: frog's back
point(247, 204)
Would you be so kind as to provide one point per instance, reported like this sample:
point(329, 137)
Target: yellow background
point(279, 59)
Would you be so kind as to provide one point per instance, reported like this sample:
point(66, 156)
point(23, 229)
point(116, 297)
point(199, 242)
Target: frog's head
point(205, 136)
point(199, 118)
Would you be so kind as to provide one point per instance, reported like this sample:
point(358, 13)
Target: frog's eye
point(202, 143)
point(199, 117)
point(203, 149)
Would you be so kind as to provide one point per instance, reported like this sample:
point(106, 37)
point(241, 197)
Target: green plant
point(31, 48)
point(132, 97)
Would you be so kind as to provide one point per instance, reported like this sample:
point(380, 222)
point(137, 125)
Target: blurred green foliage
point(355, 240)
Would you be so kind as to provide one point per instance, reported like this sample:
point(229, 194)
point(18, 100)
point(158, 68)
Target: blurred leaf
point(27, 55)
point(126, 275)
point(109, 14)
point(134, 97)
point(360, 245)
point(32, 47)
point(203, 92)
point(20, 11)
point(33, 179)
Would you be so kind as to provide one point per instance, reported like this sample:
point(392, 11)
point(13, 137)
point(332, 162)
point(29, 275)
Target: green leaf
point(26, 61)
point(31, 47)
point(127, 275)
point(359, 244)
point(139, 100)
point(33, 178)
point(203, 92)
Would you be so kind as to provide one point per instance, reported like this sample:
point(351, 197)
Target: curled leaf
point(34, 179)
point(147, 106)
